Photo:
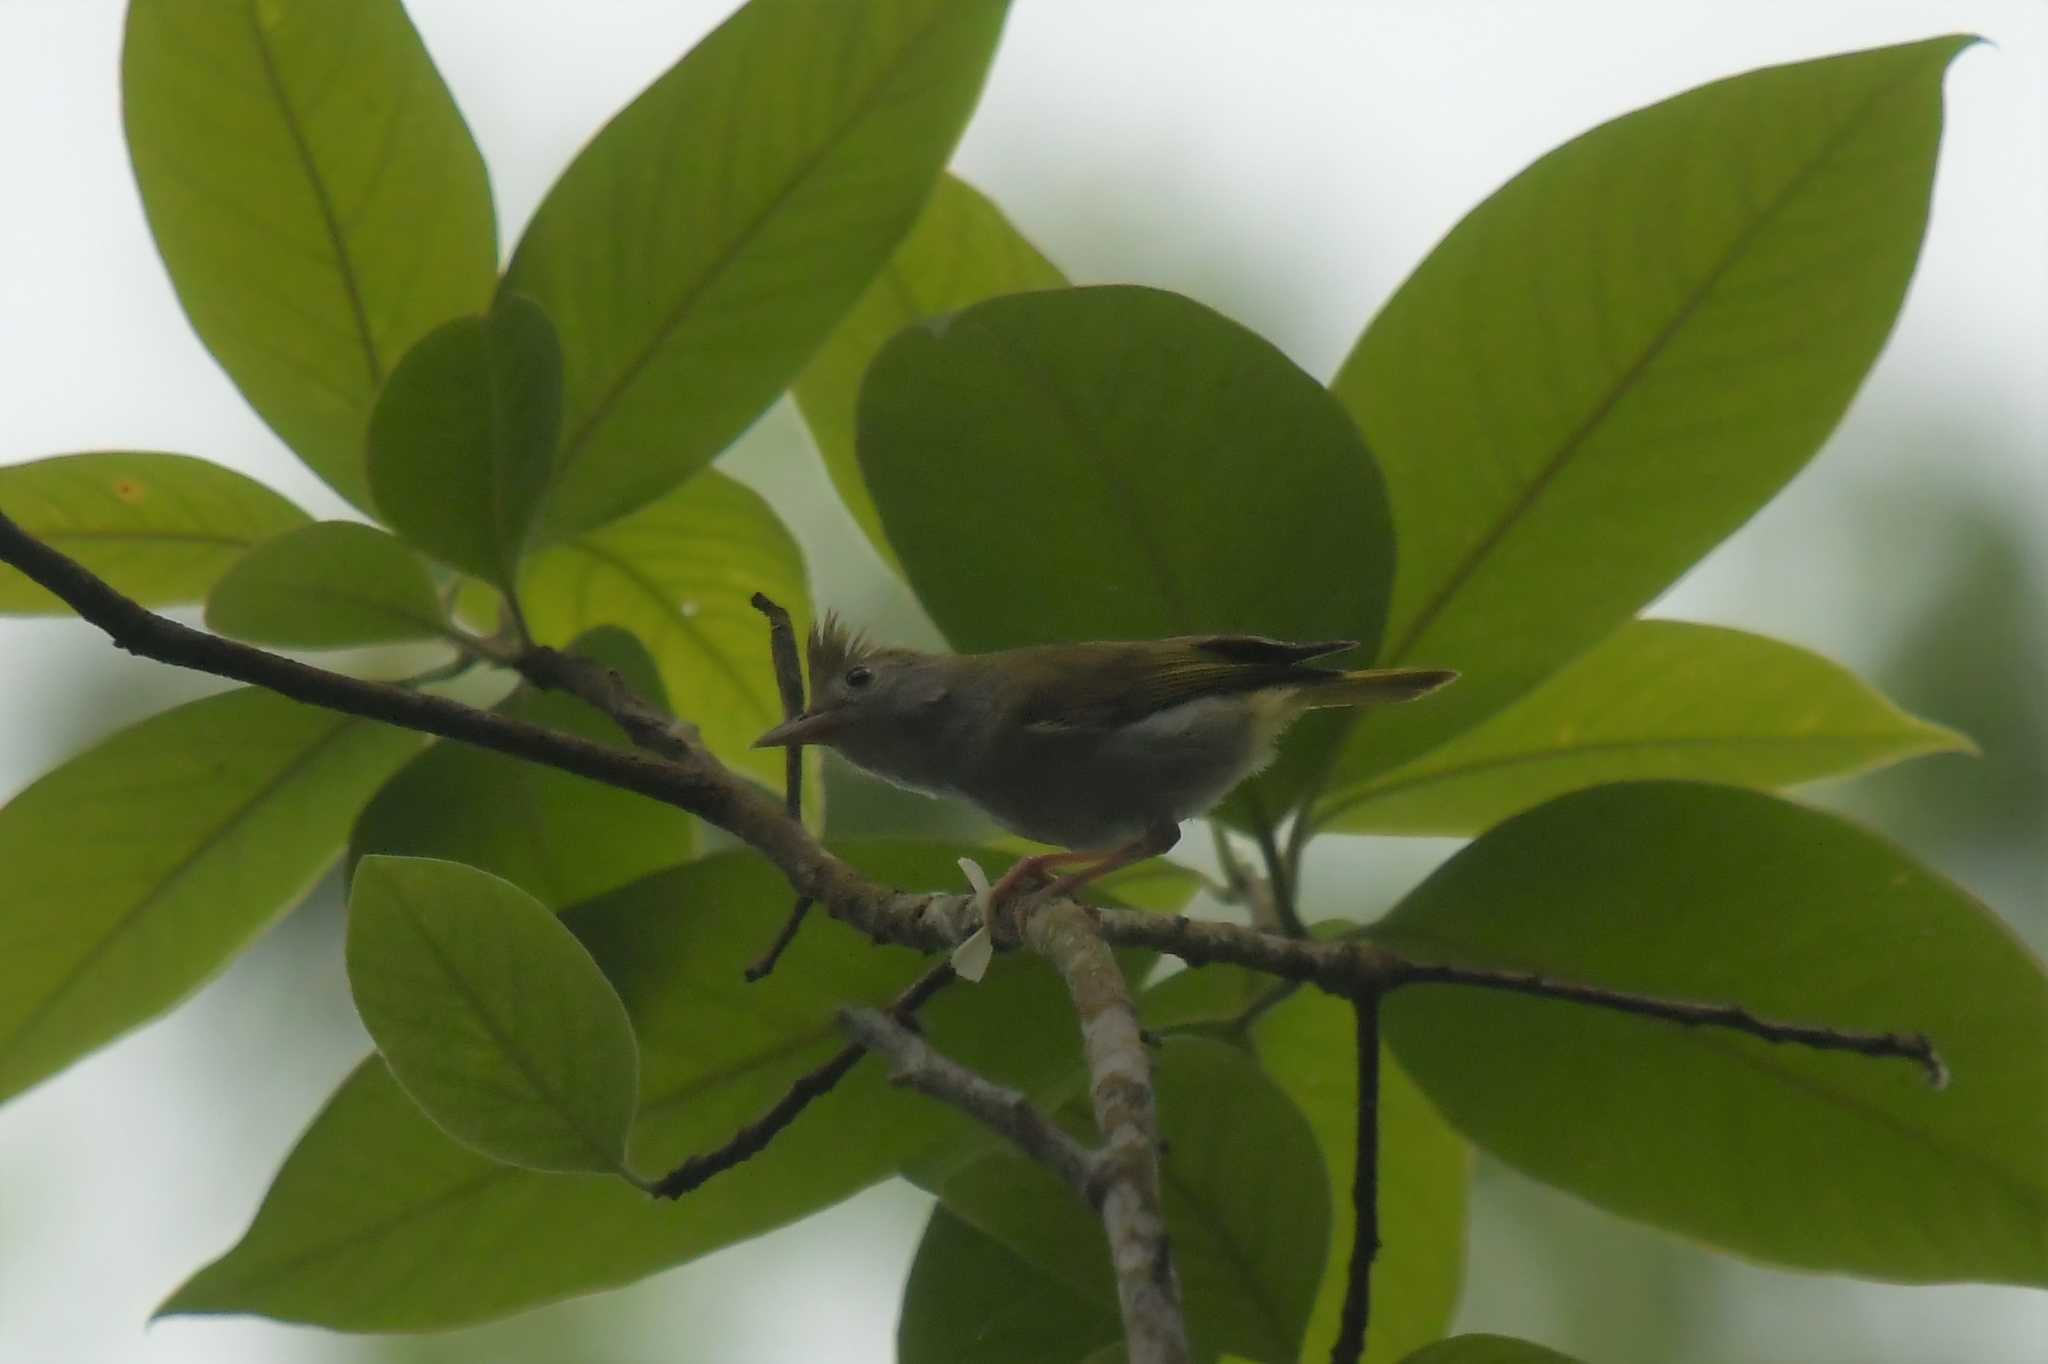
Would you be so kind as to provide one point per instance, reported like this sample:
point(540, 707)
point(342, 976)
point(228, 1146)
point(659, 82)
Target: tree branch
point(789, 680)
point(1365, 1202)
point(918, 1065)
point(752, 1139)
point(1120, 1089)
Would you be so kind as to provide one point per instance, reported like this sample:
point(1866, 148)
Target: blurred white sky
point(1286, 163)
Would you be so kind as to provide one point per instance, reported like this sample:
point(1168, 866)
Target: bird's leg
point(1158, 838)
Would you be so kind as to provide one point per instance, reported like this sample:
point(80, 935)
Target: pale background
point(1287, 163)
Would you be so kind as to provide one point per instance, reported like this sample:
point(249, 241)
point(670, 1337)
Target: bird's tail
point(1374, 686)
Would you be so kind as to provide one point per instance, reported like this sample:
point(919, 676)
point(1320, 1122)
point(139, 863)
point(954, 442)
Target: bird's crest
point(834, 648)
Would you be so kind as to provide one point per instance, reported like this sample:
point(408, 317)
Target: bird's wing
point(1143, 678)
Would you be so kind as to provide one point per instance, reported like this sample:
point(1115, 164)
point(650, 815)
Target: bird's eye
point(858, 677)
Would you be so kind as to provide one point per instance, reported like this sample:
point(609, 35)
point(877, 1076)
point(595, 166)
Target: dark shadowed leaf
point(378, 1220)
point(1823, 1161)
point(491, 1015)
point(141, 867)
point(558, 837)
point(678, 575)
point(1246, 1205)
point(330, 585)
point(1658, 698)
point(463, 437)
point(970, 1300)
point(160, 528)
point(710, 237)
point(961, 251)
point(1617, 358)
point(1122, 463)
point(318, 201)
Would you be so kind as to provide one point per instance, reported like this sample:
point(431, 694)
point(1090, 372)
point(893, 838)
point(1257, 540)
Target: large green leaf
point(1191, 479)
point(972, 1300)
point(1617, 358)
point(491, 1015)
point(1309, 1045)
point(558, 837)
point(1246, 1205)
point(961, 251)
point(378, 1221)
point(1658, 698)
point(705, 243)
point(1824, 1161)
point(463, 436)
point(160, 528)
point(678, 575)
point(138, 869)
point(318, 201)
point(330, 585)
point(1486, 1349)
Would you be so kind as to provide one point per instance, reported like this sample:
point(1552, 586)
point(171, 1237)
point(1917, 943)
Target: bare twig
point(752, 1139)
point(1365, 1203)
point(918, 1065)
point(1120, 1089)
point(789, 680)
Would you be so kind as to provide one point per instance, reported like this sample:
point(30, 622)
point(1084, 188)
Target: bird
point(1100, 748)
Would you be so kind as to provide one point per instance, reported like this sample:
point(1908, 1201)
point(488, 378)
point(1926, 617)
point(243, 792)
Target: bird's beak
point(813, 726)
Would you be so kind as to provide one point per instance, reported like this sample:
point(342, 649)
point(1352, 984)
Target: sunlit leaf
point(138, 869)
point(330, 585)
point(1658, 698)
point(463, 436)
point(678, 575)
point(1617, 358)
point(558, 837)
point(378, 1220)
point(961, 251)
point(1825, 1161)
point(1309, 1046)
point(491, 1015)
point(159, 528)
point(1486, 1349)
point(317, 198)
point(701, 247)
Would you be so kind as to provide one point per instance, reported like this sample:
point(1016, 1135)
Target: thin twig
point(789, 681)
point(1278, 902)
point(1902, 1046)
point(814, 1084)
point(1365, 1203)
point(917, 1064)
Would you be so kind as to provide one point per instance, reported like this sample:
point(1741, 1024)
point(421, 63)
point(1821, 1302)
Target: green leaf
point(377, 1219)
point(558, 837)
point(463, 435)
point(708, 240)
point(330, 585)
point(1658, 698)
point(1309, 1046)
point(139, 868)
point(962, 250)
point(1246, 1205)
point(1486, 1349)
point(1824, 1161)
point(318, 201)
point(678, 575)
point(1616, 359)
point(159, 528)
point(491, 1015)
point(971, 1300)
point(1192, 479)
